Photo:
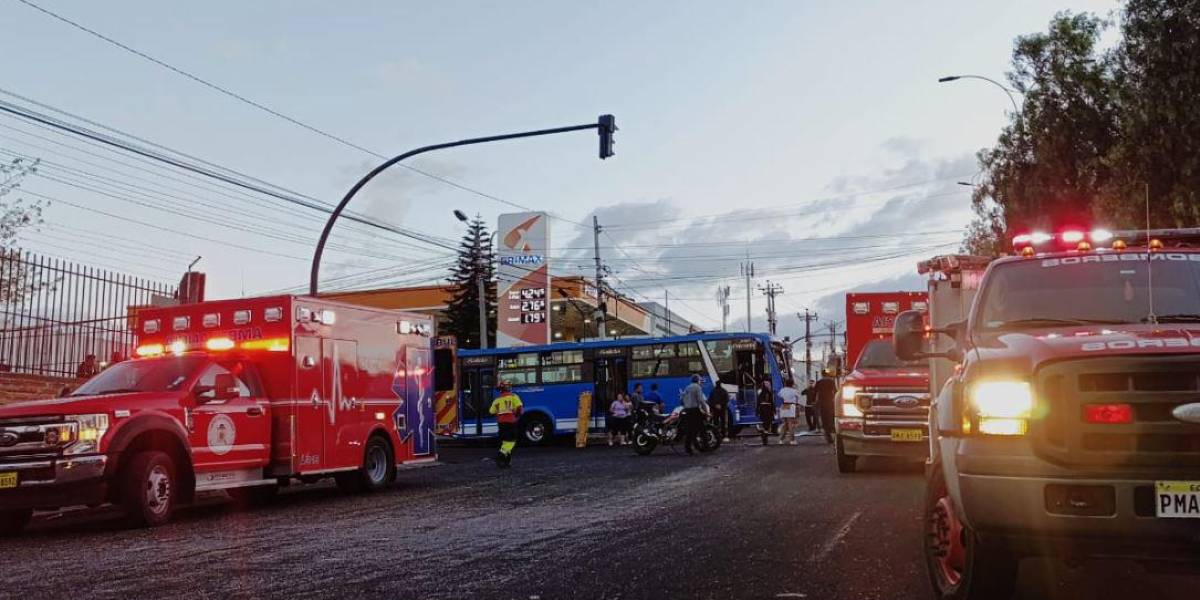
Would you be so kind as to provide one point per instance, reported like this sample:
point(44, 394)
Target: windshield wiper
point(108, 392)
point(1052, 322)
point(1175, 318)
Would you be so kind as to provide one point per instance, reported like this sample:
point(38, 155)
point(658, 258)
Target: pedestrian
point(627, 422)
point(788, 411)
point(618, 418)
point(508, 408)
point(718, 401)
point(810, 407)
point(694, 405)
point(88, 368)
point(638, 396)
point(655, 397)
point(766, 409)
point(826, 389)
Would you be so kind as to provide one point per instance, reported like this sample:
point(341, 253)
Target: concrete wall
point(15, 387)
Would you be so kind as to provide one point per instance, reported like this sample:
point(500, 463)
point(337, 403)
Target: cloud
point(867, 233)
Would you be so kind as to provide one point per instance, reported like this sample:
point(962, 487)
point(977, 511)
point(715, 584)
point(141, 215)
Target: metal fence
point(54, 314)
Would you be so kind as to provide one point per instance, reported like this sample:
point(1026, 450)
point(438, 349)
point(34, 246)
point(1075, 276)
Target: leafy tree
point(15, 280)
point(475, 259)
point(1158, 74)
point(1049, 163)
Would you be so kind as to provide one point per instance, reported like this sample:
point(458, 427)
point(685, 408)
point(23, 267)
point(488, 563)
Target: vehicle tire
point(377, 472)
point(13, 522)
point(253, 497)
point(643, 443)
point(710, 439)
point(148, 486)
point(960, 566)
point(847, 463)
point(536, 430)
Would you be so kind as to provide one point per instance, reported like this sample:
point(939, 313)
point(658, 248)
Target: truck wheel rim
point(158, 490)
point(946, 542)
point(376, 464)
point(535, 431)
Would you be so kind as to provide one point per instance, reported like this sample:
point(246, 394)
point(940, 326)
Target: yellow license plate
point(907, 435)
point(8, 480)
point(1177, 499)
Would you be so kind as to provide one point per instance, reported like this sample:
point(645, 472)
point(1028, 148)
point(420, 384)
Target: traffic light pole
point(605, 125)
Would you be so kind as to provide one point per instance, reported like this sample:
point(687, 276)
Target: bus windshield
point(165, 374)
point(1105, 289)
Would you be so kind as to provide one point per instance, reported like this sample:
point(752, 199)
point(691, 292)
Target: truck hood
point(1031, 348)
point(88, 404)
point(902, 377)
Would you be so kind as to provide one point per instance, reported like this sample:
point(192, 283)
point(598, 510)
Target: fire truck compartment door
point(310, 416)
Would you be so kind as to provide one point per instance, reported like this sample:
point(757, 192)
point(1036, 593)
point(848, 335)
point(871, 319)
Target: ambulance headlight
point(1003, 407)
point(89, 430)
point(849, 401)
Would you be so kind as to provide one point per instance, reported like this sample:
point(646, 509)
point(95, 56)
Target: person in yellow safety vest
point(507, 407)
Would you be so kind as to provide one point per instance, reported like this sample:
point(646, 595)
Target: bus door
point(478, 390)
point(748, 365)
point(612, 378)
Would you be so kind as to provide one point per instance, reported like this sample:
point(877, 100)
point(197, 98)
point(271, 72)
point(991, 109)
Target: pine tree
point(475, 258)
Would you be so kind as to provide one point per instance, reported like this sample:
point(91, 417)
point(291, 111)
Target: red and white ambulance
point(237, 395)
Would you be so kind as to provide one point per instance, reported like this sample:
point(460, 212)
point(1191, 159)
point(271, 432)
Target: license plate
point(1177, 499)
point(8, 480)
point(907, 435)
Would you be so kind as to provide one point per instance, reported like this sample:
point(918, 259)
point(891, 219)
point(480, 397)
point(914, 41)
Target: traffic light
point(608, 126)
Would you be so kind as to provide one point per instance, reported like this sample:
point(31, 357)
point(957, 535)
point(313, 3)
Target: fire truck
point(884, 400)
point(1064, 422)
point(242, 396)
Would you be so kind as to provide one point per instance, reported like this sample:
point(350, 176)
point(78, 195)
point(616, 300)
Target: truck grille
point(26, 437)
point(1152, 385)
point(897, 401)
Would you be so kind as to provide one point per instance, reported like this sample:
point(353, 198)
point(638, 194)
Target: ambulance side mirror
point(225, 387)
point(909, 341)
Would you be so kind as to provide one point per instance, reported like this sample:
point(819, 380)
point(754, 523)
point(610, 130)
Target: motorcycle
point(652, 428)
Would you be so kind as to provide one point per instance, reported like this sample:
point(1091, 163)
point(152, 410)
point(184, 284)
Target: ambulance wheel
point(148, 488)
point(377, 472)
point(536, 430)
point(847, 463)
point(253, 497)
point(13, 522)
point(960, 565)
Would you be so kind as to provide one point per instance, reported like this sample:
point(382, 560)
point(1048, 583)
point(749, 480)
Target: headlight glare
point(1003, 407)
point(89, 430)
point(849, 392)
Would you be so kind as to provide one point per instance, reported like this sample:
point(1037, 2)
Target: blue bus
point(550, 378)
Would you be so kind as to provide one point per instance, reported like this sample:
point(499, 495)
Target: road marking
point(837, 538)
point(791, 595)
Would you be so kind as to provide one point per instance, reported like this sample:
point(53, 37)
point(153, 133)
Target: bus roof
point(633, 341)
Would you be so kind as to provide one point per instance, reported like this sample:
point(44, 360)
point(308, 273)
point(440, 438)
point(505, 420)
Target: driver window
point(208, 380)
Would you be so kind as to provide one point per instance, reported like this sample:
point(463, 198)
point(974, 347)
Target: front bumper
point(1010, 495)
point(49, 483)
point(873, 438)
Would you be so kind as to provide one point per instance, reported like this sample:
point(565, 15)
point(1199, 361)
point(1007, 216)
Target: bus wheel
point(847, 463)
point(960, 566)
point(148, 489)
point(13, 521)
point(378, 470)
point(536, 430)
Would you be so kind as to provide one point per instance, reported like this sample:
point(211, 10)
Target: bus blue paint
point(607, 367)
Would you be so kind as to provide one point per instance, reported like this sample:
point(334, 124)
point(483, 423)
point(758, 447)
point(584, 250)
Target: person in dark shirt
point(826, 389)
point(718, 401)
point(810, 407)
point(766, 409)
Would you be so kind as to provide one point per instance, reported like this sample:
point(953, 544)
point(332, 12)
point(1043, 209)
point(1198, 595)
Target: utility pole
point(667, 308)
point(771, 290)
point(808, 318)
point(833, 350)
point(748, 271)
point(601, 330)
point(723, 302)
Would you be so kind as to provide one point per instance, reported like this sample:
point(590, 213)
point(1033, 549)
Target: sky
point(746, 130)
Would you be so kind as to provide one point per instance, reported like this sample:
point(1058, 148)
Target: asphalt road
point(745, 522)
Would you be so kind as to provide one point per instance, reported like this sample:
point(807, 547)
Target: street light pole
point(1007, 91)
point(605, 126)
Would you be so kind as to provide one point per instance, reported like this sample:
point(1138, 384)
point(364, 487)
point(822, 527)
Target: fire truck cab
point(236, 395)
point(1064, 420)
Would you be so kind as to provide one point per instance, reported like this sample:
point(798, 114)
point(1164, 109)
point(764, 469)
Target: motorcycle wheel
point(643, 443)
point(709, 439)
